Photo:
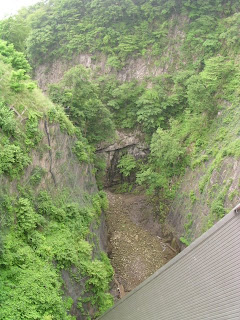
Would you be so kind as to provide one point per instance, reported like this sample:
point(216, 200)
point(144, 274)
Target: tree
point(79, 95)
point(15, 30)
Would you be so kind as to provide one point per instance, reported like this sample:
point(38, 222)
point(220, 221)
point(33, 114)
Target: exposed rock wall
point(62, 168)
point(125, 143)
point(227, 177)
point(63, 172)
point(136, 67)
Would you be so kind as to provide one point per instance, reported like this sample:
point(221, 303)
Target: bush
point(127, 164)
point(27, 218)
point(7, 121)
point(12, 160)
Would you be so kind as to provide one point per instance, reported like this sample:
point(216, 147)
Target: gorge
point(119, 132)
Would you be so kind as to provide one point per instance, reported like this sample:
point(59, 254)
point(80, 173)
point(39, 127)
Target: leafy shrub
point(192, 196)
point(36, 176)
point(100, 202)
point(58, 115)
point(16, 83)
point(12, 160)
point(167, 151)
point(83, 151)
point(80, 98)
point(184, 241)
point(127, 164)
point(33, 134)
point(27, 218)
point(16, 59)
point(7, 121)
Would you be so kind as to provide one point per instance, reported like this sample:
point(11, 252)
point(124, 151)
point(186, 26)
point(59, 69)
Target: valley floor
point(135, 246)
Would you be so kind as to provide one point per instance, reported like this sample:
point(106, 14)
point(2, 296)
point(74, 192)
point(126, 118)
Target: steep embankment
point(210, 186)
point(50, 210)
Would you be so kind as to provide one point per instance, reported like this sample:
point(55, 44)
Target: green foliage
point(26, 216)
point(61, 28)
point(204, 88)
point(57, 114)
point(16, 83)
point(80, 98)
point(20, 67)
point(12, 160)
point(16, 140)
point(36, 176)
point(124, 187)
point(121, 99)
point(127, 164)
point(217, 210)
point(192, 196)
point(7, 120)
point(33, 135)
point(15, 30)
point(189, 223)
point(83, 151)
point(16, 59)
point(100, 166)
point(149, 105)
point(184, 241)
point(41, 234)
point(100, 202)
point(100, 272)
point(233, 194)
point(47, 230)
point(200, 160)
point(230, 31)
point(30, 287)
point(169, 158)
point(195, 45)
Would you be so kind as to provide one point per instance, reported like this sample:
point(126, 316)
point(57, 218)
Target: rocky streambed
point(135, 243)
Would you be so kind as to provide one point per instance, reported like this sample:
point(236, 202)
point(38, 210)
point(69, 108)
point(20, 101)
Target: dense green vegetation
point(188, 115)
point(42, 232)
point(61, 28)
point(80, 98)
point(178, 114)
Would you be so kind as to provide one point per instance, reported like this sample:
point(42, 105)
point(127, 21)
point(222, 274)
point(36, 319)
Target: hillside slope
point(169, 69)
point(50, 209)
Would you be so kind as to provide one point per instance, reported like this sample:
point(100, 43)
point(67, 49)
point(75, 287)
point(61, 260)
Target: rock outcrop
point(125, 143)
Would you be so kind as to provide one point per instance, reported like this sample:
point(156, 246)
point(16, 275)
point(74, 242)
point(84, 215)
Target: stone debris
point(135, 252)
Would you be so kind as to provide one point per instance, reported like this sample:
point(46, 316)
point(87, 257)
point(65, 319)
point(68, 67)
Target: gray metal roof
point(202, 282)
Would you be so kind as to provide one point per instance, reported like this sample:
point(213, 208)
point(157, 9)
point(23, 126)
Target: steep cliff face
point(210, 186)
point(52, 228)
point(61, 168)
point(55, 169)
point(139, 68)
point(193, 211)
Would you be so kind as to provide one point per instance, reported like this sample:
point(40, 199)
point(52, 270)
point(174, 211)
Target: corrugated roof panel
point(201, 283)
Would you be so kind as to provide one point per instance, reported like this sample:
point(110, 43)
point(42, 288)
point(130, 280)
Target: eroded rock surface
point(125, 143)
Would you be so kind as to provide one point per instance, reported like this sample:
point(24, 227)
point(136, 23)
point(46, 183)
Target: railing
point(202, 282)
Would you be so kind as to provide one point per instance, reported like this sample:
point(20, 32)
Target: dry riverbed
point(135, 246)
